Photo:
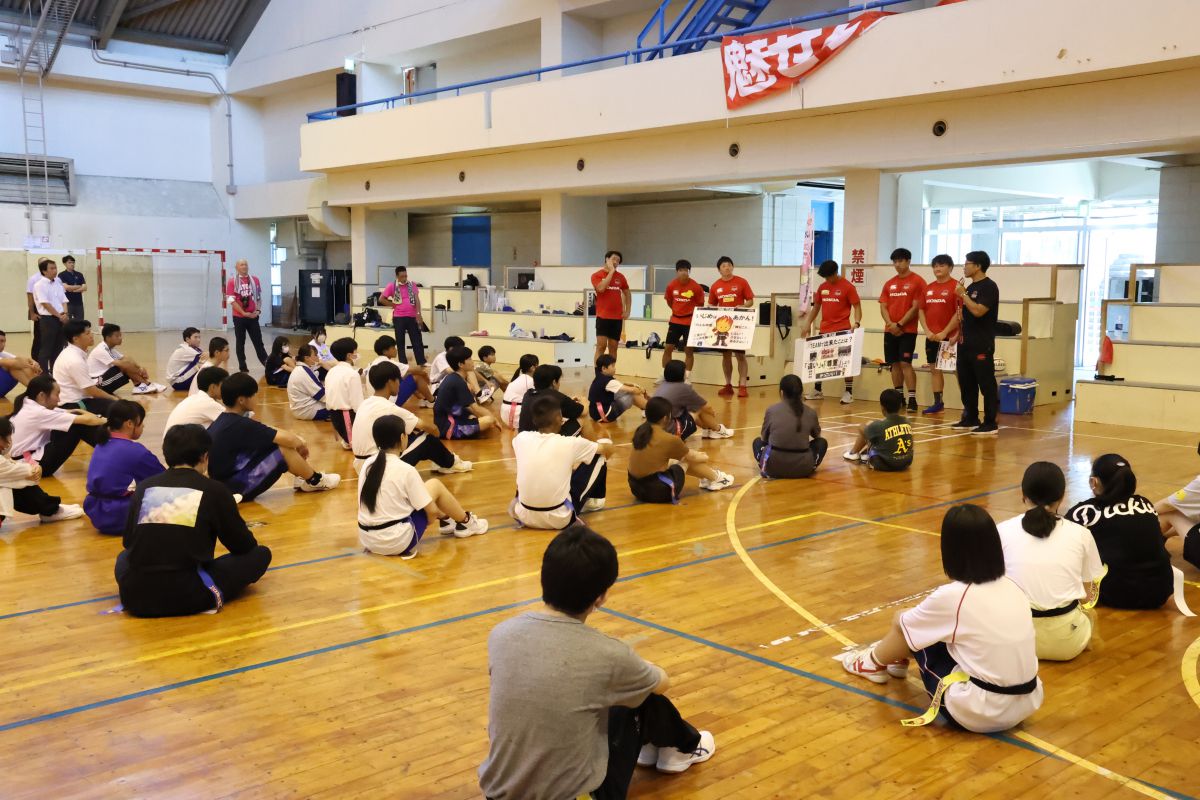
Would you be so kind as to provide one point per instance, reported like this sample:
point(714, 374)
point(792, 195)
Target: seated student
point(545, 384)
point(218, 356)
point(440, 368)
point(19, 490)
point(306, 393)
point(790, 444)
point(489, 379)
point(15, 369)
point(111, 369)
point(167, 568)
point(455, 411)
point(248, 456)
point(885, 444)
point(979, 624)
point(75, 381)
point(514, 393)
point(1179, 515)
point(46, 433)
point(557, 476)
point(572, 711)
point(423, 444)
point(1053, 560)
point(324, 356)
point(1127, 535)
point(184, 363)
point(686, 402)
point(280, 363)
point(203, 407)
point(392, 497)
point(119, 463)
point(609, 398)
point(343, 389)
point(412, 381)
point(660, 459)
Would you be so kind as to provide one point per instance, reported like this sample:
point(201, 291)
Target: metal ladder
point(710, 18)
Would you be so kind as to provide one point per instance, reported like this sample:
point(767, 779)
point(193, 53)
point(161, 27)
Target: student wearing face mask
point(280, 362)
point(343, 389)
point(306, 392)
point(324, 355)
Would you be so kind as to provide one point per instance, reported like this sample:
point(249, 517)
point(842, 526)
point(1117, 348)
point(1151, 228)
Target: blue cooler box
point(1017, 394)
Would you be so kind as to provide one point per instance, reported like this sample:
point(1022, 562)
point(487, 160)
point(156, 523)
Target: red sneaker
point(726, 390)
point(743, 392)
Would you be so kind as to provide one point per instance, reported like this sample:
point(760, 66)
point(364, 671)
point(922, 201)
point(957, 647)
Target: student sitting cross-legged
point(15, 369)
point(572, 711)
point(395, 506)
point(455, 410)
point(973, 636)
point(184, 363)
point(112, 369)
point(77, 386)
point(19, 490)
point(280, 363)
point(1179, 515)
point(412, 381)
point(343, 389)
point(609, 398)
point(306, 392)
point(660, 459)
point(203, 407)
point(167, 568)
point(885, 444)
point(1055, 561)
point(546, 378)
point(423, 444)
point(689, 410)
point(558, 476)
point(248, 456)
point(790, 445)
point(118, 464)
point(218, 356)
point(514, 393)
point(490, 381)
point(45, 433)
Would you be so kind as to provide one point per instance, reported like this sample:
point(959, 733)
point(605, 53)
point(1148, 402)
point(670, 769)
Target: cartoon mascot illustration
point(721, 329)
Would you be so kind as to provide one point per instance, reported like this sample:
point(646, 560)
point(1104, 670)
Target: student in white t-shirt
point(973, 636)
point(203, 407)
point(319, 343)
point(343, 389)
point(112, 369)
point(78, 387)
point(558, 477)
point(514, 393)
point(184, 363)
point(218, 356)
point(1179, 515)
point(423, 441)
point(14, 369)
point(45, 433)
point(19, 490)
point(395, 506)
point(440, 368)
point(306, 393)
point(412, 381)
point(1055, 562)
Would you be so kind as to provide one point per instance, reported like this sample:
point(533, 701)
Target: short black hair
point(6, 428)
point(579, 566)
point(209, 376)
point(827, 268)
point(674, 372)
point(604, 362)
point(616, 253)
point(544, 410)
point(971, 549)
point(305, 351)
point(216, 344)
point(186, 445)
point(43, 264)
point(485, 351)
point(382, 373)
point(401, 269)
point(2, 333)
point(68, 257)
point(979, 259)
point(724, 260)
point(901, 254)
point(342, 348)
point(891, 400)
point(943, 260)
point(109, 329)
point(237, 386)
point(75, 328)
point(544, 375)
point(190, 332)
point(452, 341)
point(683, 263)
point(455, 356)
point(383, 344)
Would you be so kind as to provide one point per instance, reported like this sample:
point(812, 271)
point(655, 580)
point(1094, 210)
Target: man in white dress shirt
point(50, 302)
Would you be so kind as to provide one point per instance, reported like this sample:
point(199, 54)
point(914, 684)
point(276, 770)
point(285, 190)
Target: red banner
point(771, 61)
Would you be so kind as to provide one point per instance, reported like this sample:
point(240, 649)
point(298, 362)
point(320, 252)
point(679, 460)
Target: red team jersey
point(901, 294)
point(730, 293)
point(836, 300)
point(941, 303)
point(684, 298)
point(609, 303)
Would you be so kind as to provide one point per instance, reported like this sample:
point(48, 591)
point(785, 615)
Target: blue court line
point(858, 690)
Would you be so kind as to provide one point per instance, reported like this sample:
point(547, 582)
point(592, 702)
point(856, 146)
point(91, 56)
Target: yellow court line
point(735, 540)
point(1190, 681)
point(864, 521)
point(1079, 761)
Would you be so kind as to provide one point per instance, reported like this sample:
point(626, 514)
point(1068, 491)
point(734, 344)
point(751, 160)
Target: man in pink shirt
point(245, 299)
point(405, 299)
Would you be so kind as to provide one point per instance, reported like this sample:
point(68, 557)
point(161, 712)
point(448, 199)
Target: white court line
point(850, 618)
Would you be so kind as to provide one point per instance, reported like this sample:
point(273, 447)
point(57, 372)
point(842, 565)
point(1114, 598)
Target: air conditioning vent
point(54, 178)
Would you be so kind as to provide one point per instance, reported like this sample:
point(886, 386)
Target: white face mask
point(321, 339)
point(354, 358)
point(286, 350)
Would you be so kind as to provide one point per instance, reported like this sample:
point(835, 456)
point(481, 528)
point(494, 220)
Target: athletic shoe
point(424, 404)
point(458, 466)
point(687, 377)
point(329, 480)
point(674, 761)
point(345, 445)
point(723, 481)
point(985, 430)
point(65, 511)
point(657, 381)
point(850, 455)
point(446, 526)
point(912, 404)
point(966, 423)
point(471, 526)
point(847, 398)
point(648, 756)
point(592, 504)
point(157, 387)
point(936, 408)
point(813, 396)
point(898, 669)
point(410, 554)
point(485, 394)
point(142, 388)
point(743, 391)
point(237, 498)
point(720, 433)
point(859, 662)
point(726, 390)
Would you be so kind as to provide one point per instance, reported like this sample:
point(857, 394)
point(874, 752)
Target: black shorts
point(659, 487)
point(677, 334)
point(931, 352)
point(899, 349)
point(609, 328)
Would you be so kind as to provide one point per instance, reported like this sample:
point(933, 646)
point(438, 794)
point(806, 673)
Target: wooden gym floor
point(350, 675)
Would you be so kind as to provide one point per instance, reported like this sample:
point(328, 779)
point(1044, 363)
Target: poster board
point(829, 356)
point(723, 328)
point(947, 360)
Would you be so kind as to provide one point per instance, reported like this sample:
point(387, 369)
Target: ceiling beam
point(250, 16)
point(17, 18)
point(108, 16)
point(167, 40)
point(149, 8)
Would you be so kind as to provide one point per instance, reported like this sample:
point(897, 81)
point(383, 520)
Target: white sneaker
point(648, 756)
point(850, 455)
point(446, 526)
point(157, 387)
point(813, 396)
point(859, 662)
point(720, 433)
point(65, 511)
point(424, 404)
point(142, 388)
point(592, 504)
point(237, 498)
point(723, 481)
point(672, 760)
point(345, 445)
point(847, 398)
point(458, 466)
point(329, 480)
point(472, 526)
point(898, 669)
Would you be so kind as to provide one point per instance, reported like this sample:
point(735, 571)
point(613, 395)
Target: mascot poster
point(723, 328)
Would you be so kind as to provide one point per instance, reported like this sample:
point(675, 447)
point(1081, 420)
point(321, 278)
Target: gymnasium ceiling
point(208, 26)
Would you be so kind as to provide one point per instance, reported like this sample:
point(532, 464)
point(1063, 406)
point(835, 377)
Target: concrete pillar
point(910, 216)
point(1178, 215)
point(574, 229)
point(568, 37)
point(870, 216)
point(377, 238)
point(377, 81)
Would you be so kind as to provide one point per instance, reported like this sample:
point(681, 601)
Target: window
point(278, 256)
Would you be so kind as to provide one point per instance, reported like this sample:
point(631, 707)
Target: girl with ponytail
point(1053, 560)
point(1126, 529)
point(45, 433)
point(119, 463)
point(660, 459)
point(514, 393)
point(395, 507)
point(790, 444)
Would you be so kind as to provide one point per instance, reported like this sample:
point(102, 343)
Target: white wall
point(516, 55)
point(282, 116)
point(1179, 216)
point(698, 231)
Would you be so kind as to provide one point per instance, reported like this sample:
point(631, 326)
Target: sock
point(937, 397)
point(899, 388)
point(912, 395)
point(850, 385)
point(315, 479)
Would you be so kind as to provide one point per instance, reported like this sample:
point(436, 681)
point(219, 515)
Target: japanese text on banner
point(723, 328)
point(829, 356)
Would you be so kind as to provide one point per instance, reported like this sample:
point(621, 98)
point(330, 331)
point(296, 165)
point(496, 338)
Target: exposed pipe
point(231, 187)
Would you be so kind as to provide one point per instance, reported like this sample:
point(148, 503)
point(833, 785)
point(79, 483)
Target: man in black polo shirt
point(75, 285)
point(977, 350)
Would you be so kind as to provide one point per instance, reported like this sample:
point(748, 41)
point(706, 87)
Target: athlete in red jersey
point(940, 314)
point(612, 304)
point(731, 291)
point(683, 296)
point(833, 300)
point(898, 305)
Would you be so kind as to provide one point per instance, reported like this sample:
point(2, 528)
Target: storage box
point(1017, 394)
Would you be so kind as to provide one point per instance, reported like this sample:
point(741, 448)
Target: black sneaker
point(966, 423)
point(912, 404)
point(988, 429)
